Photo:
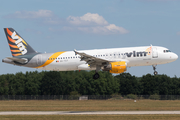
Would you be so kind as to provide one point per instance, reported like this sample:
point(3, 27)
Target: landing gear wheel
point(96, 76)
point(155, 72)
point(154, 68)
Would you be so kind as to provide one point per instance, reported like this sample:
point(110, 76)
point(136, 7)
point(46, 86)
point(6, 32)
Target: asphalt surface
point(87, 112)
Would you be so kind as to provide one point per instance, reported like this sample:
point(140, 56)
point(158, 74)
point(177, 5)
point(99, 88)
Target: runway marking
point(87, 112)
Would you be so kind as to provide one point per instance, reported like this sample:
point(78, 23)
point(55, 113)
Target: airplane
point(114, 60)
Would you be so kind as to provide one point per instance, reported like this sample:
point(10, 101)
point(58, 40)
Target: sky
point(65, 25)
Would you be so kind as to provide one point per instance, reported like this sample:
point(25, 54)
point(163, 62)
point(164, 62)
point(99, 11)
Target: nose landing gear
point(154, 68)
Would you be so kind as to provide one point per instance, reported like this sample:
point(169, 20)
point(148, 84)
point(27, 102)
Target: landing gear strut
point(154, 68)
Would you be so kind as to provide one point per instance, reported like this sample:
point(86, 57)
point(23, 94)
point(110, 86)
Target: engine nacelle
point(116, 67)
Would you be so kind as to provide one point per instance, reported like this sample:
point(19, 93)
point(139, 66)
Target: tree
point(128, 84)
point(64, 83)
point(33, 83)
point(149, 85)
point(4, 85)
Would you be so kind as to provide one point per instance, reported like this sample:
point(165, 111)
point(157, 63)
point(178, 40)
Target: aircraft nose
point(174, 56)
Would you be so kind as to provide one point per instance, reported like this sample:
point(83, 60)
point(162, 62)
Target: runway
point(87, 112)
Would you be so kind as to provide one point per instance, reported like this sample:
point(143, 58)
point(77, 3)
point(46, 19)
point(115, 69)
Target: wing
point(91, 60)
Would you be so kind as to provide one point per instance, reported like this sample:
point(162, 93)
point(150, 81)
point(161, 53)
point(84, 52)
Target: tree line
point(75, 82)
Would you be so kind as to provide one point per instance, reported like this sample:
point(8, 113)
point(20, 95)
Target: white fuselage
point(115, 60)
point(134, 56)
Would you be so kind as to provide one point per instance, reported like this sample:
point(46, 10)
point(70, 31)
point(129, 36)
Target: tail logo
point(16, 43)
point(19, 43)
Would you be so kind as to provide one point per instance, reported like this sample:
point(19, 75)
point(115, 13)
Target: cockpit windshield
point(166, 51)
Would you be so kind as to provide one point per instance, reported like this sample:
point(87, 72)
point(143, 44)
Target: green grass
point(89, 105)
point(90, 117)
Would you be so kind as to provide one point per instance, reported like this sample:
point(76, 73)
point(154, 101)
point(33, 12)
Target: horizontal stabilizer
point(19, 60)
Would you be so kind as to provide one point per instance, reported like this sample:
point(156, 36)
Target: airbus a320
point(114, 60)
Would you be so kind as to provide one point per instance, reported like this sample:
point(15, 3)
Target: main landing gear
point(154, 68)
point(96, 76)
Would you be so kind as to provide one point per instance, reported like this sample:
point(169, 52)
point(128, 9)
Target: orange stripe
point(13, 46)
point(16, 54)
point(15, 50)
point(9, 32)
point(55, 55)
point(10, 39)
point(24, 42)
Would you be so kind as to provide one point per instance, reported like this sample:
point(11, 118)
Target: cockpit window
point(166, 51)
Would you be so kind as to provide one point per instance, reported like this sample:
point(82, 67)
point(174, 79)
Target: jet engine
point(116, 67)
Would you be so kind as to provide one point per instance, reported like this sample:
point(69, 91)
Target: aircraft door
point(39, 60)
point(154, 52)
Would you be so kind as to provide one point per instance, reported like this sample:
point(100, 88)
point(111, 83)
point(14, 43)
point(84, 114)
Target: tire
point(155, 72)
point(96, 76)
